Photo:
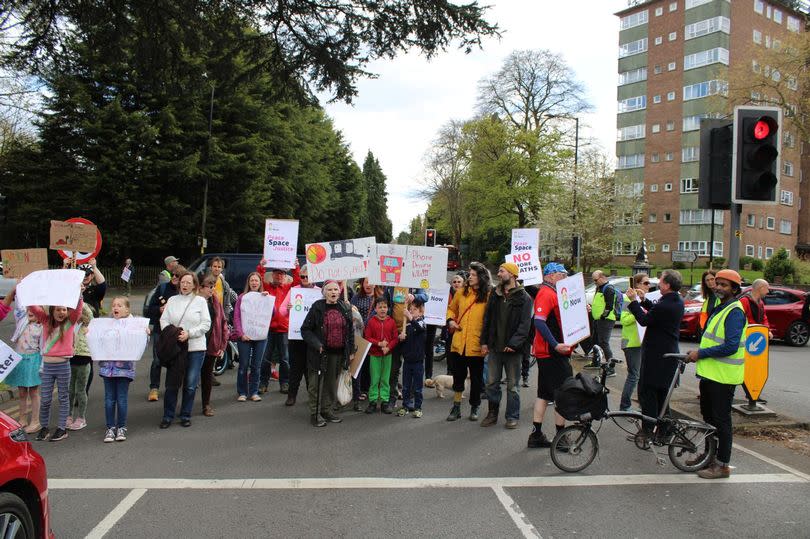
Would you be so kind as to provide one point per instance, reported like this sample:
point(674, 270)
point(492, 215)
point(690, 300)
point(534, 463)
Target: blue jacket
point(413, 350)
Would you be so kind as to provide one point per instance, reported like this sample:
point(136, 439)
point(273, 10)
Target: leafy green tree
point(377, 200)
point(780, 265)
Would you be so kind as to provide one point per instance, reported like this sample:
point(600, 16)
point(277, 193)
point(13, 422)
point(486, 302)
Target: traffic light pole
point(734, 237)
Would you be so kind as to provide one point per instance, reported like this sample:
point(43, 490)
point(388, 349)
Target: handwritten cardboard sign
point(280, 243)
point(340, 260)
point(8, 360)
point(51, 287)
point(17, 263)
point(73, 236)
point(256, 310)
point(117, 339)
point(408, 266)
point(362, 346)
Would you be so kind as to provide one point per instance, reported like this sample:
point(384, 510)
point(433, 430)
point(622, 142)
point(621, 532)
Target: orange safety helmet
point(729, 275)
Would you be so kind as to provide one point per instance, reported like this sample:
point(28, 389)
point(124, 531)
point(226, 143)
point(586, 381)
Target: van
point(237, 267)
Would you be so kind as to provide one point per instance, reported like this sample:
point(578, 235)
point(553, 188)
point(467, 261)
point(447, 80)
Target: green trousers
point(78, 389)
point(380, 369)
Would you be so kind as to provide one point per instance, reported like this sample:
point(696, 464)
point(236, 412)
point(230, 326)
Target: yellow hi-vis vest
point(725, 370)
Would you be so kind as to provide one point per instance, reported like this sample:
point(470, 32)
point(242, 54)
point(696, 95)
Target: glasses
point(646, 283)
point(175, 276)
point(304, 277)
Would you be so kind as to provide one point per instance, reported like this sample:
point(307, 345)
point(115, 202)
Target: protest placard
point(51, 287)
point(528, 265)
point(117, 339)
point(126, 275)
point(573, 311)
point(73, 236)
point(8, 360)
point(280, 243)
point(362, 347)
point(17, 263)
point(301, 299)
point(653, 297)
point(436, 307)
point(339, 260)
point(525, 239)
point(256, 311)
point(408, 266)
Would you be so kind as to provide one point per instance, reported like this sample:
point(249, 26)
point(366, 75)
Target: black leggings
point(475, 366)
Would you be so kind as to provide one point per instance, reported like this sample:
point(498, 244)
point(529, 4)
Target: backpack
point(618, 301)
point(334, 328)
point(581, 399)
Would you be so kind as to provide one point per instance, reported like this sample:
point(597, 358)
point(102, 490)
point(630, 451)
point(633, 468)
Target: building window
point(651, 247)
point(654, 188)
point(664, 247)
point(672, 66)
point(768, 11)
point(692, 123)
point(632, 132)
point(785, 226)
point(759, 6)
point(792, 83)
point(672, 36)
point(653, 218)
point(793, 24)
point(761, 221)
point(667, 187)
point(786, 198)
point(767, 41)
point(708, 26)
point(770, 223)
point(656, 99)
point(670, 125)
point(635, 19)
point(689, 4)
point(630, 161)
point(759, 251)
point(669, 157)
point(633, 103)
point(704, 89)
point(749, 250)
point(700, 217)
point(634, 75)
point(690, 154)
point(656, 128)
point(670, 96)
point(757, 37)
point(777, 16)
point(655, 157)
point(657, 69)
point(768, 253)
point(718, 55)
point(634, 47)
point(789, 140)
point(701, 247)
point(659, 40)
point(787, 168)
point(659, 11)
point(689, 185)
point(625, 248)
point(751, 220)
point(755, 66)
point(667, 217)
point(673, 6)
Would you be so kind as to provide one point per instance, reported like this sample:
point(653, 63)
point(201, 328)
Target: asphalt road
point(260, 470)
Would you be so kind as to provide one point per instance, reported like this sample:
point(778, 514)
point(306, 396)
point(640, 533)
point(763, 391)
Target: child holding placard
point(117, 375)
point(80, 372)
point(26, 374)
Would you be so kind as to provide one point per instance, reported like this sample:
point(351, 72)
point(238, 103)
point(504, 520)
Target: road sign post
point(757, 351)
point(688, 257)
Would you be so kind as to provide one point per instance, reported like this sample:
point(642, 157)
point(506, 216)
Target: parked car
point(23, 485)
point(788, 313)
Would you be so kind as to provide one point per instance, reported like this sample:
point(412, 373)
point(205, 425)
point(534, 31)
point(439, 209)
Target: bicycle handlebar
point(681, 360)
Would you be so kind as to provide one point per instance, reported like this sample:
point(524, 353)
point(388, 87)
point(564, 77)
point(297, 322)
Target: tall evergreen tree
point(377, 205)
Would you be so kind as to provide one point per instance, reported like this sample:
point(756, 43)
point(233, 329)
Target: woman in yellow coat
point(465, 319)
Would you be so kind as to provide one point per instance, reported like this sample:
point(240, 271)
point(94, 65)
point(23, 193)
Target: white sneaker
point(109, 436)
point(122, 434)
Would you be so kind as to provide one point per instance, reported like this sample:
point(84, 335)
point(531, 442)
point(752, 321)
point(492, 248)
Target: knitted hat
point(512, 268)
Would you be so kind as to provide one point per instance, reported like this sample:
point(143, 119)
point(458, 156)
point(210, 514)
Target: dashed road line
point(516, 514)
point(118, 512)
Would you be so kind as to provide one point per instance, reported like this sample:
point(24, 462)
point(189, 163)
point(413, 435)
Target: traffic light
point(714, 179)
point(430, 237)
point(755, 174)
point(3, 210)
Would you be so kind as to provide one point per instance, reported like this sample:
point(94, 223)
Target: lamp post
point(203, 241)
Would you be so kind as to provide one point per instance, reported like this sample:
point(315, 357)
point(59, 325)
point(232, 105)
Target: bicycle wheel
point(222, 364)
point(692, 446)
point(574, 448)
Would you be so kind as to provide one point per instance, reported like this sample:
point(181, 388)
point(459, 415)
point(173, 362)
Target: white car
point(620, 283)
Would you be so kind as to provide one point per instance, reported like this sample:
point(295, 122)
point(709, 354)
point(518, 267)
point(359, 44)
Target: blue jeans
point(190, 382)
point(116, 395)
point(633, 358)
point(154, 369)
point(250, 357)
point(509, 362)
point(413, 378)
point(277, 349)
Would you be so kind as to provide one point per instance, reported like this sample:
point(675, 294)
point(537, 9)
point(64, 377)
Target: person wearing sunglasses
point(631, 343)
point(156, 307)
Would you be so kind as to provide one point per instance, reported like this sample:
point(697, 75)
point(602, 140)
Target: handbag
point(344, 389)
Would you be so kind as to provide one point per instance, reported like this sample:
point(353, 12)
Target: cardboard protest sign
point(51, 287)
point(525, 239)
point(17, 263)
point(528, 265)
point(301, 299)
point(256, 310)
point(73, 236)
point(653, 297)
point(280, 243)
point(574, 319)
point(363, 346)
point(8, 360)
point(339, 260)
point(117, 339)
point(436, 307)
point(408, 266)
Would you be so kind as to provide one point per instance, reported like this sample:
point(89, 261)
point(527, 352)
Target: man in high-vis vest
point(721, 367)
point(605, 310)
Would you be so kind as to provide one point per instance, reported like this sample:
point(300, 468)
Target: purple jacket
point(117, 369)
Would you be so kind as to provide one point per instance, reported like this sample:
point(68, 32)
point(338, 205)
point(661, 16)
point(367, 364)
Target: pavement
point(260, 469)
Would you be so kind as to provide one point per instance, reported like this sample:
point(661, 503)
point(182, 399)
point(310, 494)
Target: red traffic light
point(764, 127)
point(430, 233)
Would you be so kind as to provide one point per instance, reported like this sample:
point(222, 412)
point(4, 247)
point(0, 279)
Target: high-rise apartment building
point(674, 63)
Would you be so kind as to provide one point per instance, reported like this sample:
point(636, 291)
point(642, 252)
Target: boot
point(491, 418)
point(372, 408)
point(455, 412)
point(715, 471)
point(474, 411)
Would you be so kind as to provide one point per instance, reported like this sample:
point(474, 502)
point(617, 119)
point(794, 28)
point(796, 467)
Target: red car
point(787, 310)
point(24, 510)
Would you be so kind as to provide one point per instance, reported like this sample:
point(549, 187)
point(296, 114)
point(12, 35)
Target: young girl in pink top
point(57, 349)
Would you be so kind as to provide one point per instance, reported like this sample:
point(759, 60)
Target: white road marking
point(514, 511)
point(772, 462)
point(332, 483)
point(103, 527)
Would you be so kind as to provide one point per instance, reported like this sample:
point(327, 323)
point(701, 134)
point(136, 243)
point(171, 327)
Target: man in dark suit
point(663, 323)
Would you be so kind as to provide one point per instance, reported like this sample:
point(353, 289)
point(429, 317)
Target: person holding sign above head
point(250, 352)
point(553, 356)
point(663, 323)
point(327, 330)
point(277, 342)
point(187, 312)
point(465, 318)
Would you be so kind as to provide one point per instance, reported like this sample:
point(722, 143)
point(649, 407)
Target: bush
point(746, 260)
point(757, 265)
point(679, 265)
point(718, 262)
point(802, 272)
point(780, 266)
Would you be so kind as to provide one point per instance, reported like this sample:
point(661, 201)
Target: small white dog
point(445, 381)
